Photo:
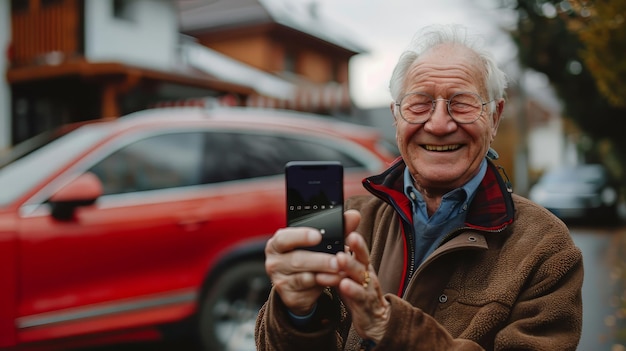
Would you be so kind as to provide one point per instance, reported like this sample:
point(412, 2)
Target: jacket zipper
point(410, 241)
point(405, 224)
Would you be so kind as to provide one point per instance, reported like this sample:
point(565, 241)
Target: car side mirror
point(82, 191)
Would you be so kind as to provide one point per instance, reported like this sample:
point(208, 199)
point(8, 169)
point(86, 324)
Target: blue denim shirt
point(429, 231)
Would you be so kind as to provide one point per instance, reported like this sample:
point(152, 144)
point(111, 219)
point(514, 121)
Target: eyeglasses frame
point(434, 102)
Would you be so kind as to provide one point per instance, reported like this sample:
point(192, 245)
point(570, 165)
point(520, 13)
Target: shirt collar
point(469, 188)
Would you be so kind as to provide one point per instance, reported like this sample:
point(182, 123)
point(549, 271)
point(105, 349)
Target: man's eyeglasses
point(463, 107)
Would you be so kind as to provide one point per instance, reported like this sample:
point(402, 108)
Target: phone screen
point(315, 199)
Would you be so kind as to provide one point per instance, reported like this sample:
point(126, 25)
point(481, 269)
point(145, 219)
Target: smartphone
point(315, 199)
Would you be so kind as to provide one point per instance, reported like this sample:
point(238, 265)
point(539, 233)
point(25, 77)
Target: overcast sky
point(386, 27)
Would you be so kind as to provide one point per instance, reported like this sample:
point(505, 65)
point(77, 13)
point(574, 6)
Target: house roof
point(199, 15)
point(230, 70)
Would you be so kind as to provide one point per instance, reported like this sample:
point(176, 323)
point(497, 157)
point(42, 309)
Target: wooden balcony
point(46, 32)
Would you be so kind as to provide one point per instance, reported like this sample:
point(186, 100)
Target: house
point(74, 60)
point(289, 39)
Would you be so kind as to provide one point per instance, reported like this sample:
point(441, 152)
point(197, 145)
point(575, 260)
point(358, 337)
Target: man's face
point(440, 153)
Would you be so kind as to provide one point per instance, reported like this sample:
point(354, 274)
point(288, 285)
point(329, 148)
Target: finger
point(298, 291)
point(368, 307)
point(299, 261)
point(289, 239)
point(360, 283)
point(302, 281)
point(351, 219)
point(311, 261)
point(329, 279)
point(359, 248)
point(366, 287)
point(353, 289)
point(351, 267)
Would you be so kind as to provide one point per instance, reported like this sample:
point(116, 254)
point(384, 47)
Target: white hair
point(432, 36)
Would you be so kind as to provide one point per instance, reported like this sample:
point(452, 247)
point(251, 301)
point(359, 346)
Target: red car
point(121, 230)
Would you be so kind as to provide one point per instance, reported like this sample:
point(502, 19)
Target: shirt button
point(412, 194)
point(443, 298)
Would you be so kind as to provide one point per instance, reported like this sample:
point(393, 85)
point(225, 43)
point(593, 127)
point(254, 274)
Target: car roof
point(587, 167)
point(258, 117)
point(575, 173)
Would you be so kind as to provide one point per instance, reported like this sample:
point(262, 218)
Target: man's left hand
point(360, 290)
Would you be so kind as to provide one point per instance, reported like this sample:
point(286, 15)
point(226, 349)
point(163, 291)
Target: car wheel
point(230, 307)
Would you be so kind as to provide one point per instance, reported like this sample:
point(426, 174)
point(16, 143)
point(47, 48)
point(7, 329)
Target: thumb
point(351, 219)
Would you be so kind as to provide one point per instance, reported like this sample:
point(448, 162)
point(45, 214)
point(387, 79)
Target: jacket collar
point(491, 209)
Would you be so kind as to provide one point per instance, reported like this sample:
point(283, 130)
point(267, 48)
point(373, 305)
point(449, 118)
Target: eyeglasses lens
point(463, 108)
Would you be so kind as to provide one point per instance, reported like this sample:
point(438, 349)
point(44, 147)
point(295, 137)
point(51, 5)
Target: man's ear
point(496, 115)
point(392, 107)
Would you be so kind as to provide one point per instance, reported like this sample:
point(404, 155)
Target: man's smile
point(440, 148)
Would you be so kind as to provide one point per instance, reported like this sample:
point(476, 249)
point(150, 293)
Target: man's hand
point(300, 276)
point(360, 290)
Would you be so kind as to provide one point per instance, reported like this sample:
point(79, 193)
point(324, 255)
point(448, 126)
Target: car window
point(38, 159)
point(156, 162)
point(232, 155)
point(193, 158)
point(582, 174)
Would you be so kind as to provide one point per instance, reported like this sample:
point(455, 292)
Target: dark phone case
point(315, 199)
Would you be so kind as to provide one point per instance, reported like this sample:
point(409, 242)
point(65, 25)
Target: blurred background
point(68, 61)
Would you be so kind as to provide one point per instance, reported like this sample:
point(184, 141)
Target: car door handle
point(192, 223)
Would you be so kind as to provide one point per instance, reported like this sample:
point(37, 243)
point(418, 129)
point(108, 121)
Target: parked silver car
point(580, 192)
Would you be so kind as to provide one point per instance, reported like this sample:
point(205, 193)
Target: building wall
point(260, 51)
point(252, 50)
point(343, 72)
point(5, 89)
point(546, 146)
point(506, 144)
point(316, 66)
point(146, 36)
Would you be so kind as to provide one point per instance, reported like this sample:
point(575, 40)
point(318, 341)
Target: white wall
point(546, 146)
point(5, 91)
point(149, 39)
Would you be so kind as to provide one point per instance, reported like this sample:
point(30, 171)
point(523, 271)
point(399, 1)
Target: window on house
point(122, 9)
point(19, 5)
point(25, 5)
point(45, 3)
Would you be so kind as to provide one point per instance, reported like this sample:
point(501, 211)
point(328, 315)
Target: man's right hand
point(299, 276)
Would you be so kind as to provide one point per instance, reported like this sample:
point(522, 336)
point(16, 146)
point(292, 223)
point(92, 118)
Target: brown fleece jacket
point(502, 285)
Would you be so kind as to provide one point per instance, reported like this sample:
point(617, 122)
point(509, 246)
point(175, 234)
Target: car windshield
point(581, 175)
point(35, 159)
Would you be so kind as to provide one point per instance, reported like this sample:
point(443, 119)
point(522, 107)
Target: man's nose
point(440, 121)
point(441, 105)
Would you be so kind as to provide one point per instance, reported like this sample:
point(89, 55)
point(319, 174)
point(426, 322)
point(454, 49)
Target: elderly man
point(442, 255)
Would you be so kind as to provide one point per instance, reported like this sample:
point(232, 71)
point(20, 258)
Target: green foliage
point(579, 45)
point(601, 28)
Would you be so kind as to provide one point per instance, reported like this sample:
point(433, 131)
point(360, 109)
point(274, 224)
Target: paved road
point(604, 328)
